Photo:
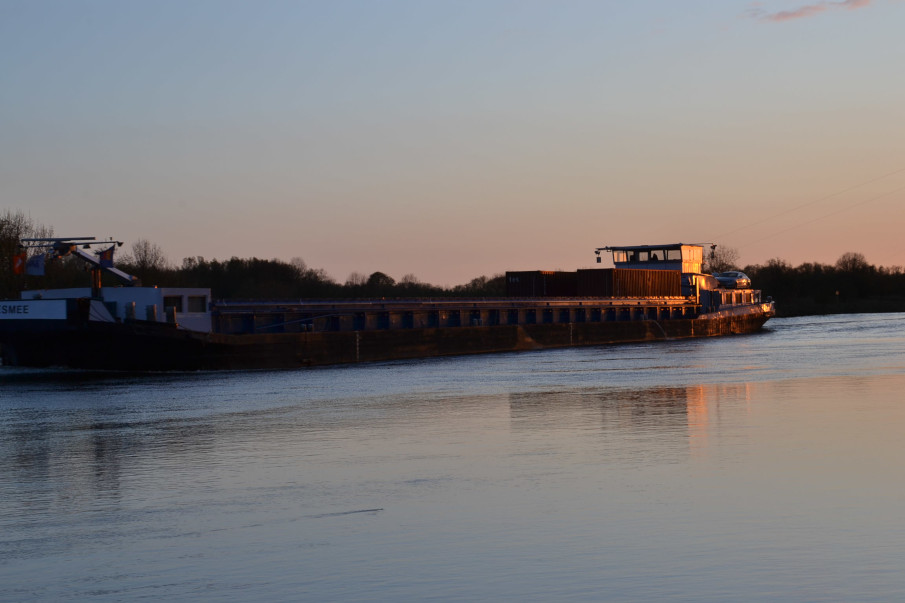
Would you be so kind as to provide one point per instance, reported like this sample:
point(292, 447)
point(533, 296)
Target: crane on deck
point(98, 260)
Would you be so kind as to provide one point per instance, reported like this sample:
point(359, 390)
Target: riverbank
point(790, 307)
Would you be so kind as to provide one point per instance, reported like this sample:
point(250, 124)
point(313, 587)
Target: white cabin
point(189, 308)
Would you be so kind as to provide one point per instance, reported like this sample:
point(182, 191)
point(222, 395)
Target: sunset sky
point(454, 139)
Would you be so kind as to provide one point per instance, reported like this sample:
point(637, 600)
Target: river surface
point(747, 468)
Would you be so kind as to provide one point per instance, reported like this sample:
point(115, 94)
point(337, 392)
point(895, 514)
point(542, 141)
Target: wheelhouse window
point(641, 256)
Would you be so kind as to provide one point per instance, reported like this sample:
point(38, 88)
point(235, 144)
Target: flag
point(106, 257)
point(35, 265)
point(19, 263)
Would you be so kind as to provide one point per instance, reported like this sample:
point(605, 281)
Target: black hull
point(141, 346)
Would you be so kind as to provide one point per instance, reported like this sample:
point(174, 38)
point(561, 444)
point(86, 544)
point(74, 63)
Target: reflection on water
point(747, 468)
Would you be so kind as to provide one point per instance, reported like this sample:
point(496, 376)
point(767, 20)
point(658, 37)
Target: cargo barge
point(654, 292)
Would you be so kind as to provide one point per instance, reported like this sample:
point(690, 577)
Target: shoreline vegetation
point(851, 285)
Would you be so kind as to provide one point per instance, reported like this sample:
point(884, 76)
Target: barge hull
point(144, 346)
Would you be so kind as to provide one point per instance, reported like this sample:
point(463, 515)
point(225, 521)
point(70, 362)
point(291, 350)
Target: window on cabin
point(620, 256)
point(173, 301)
point(197, 303)
point(674, 255)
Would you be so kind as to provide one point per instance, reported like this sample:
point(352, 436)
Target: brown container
point(561, 284)
point(647, 283)
point(541, 283)
point(595, 282)
point(622, 282)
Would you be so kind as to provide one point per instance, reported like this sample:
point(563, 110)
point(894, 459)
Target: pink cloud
point(808, 10)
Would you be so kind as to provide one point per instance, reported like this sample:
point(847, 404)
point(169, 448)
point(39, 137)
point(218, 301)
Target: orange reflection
point(698, 417)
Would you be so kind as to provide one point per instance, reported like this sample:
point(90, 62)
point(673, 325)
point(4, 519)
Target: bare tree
point(356, 279)
point(721, 259)
point(14, 226)
point(146, 256)
point(300, 266)
point(852, 262)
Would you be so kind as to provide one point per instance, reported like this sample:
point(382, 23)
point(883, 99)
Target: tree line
point(850, 285)
point(255, 278)
point(235, 278)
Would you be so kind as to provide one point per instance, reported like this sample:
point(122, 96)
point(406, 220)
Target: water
point(762, 467)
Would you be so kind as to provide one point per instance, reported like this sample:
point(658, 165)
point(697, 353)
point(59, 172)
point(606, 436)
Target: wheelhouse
point(677, 256)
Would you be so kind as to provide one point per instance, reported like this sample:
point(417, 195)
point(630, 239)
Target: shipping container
point(622, 282)
point(647, 283)
point(596, 282)
point(541, 283)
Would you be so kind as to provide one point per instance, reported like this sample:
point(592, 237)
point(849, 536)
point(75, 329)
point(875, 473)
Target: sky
point(453, 139)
